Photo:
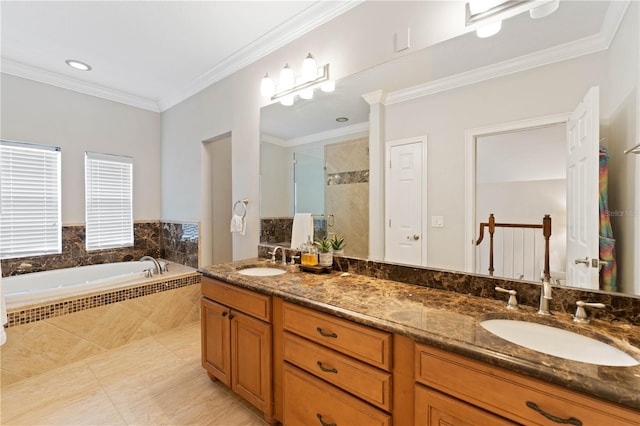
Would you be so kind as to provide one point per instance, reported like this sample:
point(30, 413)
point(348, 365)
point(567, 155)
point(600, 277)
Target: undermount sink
point(261, 272)
point(558, 342)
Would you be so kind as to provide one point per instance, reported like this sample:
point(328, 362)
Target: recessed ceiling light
point(78, 65)
point(342, 119)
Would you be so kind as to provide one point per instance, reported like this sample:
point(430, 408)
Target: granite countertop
point(451, 321)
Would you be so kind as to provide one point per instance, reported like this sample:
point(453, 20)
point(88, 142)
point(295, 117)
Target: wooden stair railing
point(492, 225)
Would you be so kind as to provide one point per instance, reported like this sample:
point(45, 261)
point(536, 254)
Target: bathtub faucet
point(158, 267)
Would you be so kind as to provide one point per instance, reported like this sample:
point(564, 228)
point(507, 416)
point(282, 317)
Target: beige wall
point(352, 42)
point(41, 113)
point(444, 117)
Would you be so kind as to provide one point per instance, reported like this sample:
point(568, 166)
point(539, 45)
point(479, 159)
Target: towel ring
point(243, 207)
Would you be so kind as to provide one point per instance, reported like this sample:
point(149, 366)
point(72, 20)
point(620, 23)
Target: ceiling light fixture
point(289, 86)
point(78, 65)
point(486, 16)
point(342, 119)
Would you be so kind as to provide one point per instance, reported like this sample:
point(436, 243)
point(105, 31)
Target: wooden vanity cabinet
point(334, 371)
point(456, 389)
point(236, 341)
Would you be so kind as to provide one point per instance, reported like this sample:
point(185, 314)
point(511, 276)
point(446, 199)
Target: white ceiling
point(151, 54)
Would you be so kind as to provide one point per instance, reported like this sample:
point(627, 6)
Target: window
point(29, 200)
point(108, 201)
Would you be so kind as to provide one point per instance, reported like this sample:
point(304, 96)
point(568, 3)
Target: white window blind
point(108, 201)
point(30, 222)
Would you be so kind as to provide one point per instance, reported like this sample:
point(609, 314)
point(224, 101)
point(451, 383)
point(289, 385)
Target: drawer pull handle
point(325, 334)
point(322, 422)
point(325, 369)
point(570, 420)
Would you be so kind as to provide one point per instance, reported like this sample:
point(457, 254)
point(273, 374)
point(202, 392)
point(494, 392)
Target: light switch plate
point(437, 221)
point(403, 40)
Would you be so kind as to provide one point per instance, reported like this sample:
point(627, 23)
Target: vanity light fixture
point(289, 86)
point(634, 150)
point(486, 16)
point(78, 65)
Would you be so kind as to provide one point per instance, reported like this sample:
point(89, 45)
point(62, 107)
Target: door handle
point(584, 261)
point(415, 237)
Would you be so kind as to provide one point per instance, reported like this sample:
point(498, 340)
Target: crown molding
point(375, 97)
point(273, 140)
point(360, 129)
point(18, 69)
point(309, 19)
point(587, 45)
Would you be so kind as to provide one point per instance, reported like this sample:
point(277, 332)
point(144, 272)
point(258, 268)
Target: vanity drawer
point(511, 395)
point(359, 341)
point(251, 303)
point(310, 401)
point(356, 377)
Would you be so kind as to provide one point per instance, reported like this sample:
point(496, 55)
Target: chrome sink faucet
point(273, 255)
point(545, 297)
point(159, 269)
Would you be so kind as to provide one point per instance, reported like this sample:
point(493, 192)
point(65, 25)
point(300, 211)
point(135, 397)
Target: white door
point(405, 197)
point(583, 139)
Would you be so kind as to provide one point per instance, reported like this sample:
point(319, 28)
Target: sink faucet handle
point(293, 260)
point(581, 313)
point(513, 302)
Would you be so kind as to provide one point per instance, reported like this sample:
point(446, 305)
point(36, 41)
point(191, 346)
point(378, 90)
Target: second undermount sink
point(261, 272)
point(558, 342)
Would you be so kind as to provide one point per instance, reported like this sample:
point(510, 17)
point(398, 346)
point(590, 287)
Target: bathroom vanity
point(351, 349)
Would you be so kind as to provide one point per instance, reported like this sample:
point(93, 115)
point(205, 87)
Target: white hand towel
point(302, 229)
point(3, 313)
point(238, 224)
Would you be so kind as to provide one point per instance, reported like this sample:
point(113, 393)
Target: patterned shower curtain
point(608, 271)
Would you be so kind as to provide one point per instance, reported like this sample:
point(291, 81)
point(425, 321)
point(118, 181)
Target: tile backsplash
point(176, 242)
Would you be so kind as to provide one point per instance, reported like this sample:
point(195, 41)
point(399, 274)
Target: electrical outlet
point(403, 40)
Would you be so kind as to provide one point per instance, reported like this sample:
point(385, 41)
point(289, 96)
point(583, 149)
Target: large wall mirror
point(310, 162)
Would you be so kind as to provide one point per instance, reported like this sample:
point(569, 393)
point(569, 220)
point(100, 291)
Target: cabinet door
point(216, 356)
point(251, 360)
point(433, 408)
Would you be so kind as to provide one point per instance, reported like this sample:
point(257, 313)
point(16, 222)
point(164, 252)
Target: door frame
point(387, 155)
point(470, 140)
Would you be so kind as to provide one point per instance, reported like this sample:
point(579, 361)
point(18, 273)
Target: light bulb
point(544, 10)
point(329, 86)
point(287, 100)
point(309, 68)
point(489, 29)
point(267, 86)
point(287, 79)
point(306, 93)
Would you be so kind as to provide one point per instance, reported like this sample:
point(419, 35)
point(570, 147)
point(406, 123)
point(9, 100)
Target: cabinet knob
point(322, 422)
point(224, 313)
point(231, 316)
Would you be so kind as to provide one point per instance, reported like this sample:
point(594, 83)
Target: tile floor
point(154, 381)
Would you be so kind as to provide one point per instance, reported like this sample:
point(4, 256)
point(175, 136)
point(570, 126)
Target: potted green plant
point(325, 256)
point(337, 245)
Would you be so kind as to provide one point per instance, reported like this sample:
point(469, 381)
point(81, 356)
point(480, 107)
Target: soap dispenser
point(309, 255)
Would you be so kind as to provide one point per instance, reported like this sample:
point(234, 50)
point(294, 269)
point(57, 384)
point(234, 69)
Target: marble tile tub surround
point(619, 307)
point(146, 243)
point(450, 320)
point(179, 242)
